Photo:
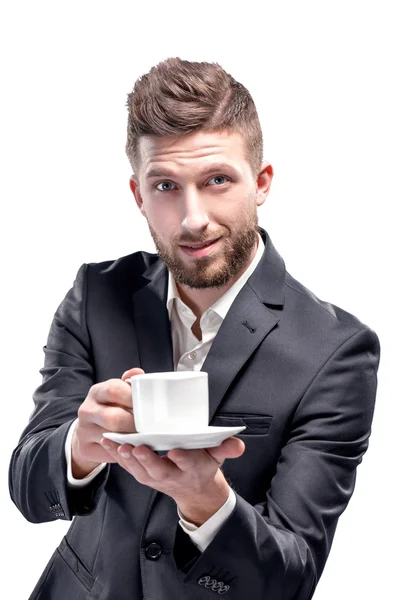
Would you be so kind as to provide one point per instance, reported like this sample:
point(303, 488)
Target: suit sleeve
point(38, 470)
point(278, 548)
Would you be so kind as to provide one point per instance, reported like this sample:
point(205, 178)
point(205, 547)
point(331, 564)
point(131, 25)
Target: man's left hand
point(193, 478)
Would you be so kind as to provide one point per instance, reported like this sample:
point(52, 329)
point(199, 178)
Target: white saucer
point(206, 438)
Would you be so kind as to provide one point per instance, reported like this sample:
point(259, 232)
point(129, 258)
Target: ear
point(264, 181)
point(134, 185)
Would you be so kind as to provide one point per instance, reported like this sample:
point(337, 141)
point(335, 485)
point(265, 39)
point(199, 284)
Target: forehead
point(194, 150)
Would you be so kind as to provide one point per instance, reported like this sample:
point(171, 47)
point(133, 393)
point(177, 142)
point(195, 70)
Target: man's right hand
point(107, 407)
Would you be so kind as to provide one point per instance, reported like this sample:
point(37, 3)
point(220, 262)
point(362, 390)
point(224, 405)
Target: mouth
point(198, 250)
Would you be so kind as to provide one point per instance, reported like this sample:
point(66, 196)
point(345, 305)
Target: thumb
point(231, 448)
point(131, 373)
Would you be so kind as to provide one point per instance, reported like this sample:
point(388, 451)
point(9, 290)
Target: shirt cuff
point(202, 536)
point(72, 482)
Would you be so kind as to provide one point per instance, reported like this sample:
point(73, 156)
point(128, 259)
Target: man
point(299, 372)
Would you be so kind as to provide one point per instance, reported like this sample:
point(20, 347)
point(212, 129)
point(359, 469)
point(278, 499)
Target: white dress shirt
point(189, 355)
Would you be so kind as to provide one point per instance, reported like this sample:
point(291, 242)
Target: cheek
point(163, 221)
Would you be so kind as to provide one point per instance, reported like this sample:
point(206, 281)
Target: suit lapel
point(245, 326)
point(248, 322)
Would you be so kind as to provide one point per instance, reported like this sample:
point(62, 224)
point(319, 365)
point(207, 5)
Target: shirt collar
point(223, 304)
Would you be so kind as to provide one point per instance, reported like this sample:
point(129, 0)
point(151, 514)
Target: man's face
point(195, 190)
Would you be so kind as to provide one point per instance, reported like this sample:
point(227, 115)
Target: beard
point(215, 270)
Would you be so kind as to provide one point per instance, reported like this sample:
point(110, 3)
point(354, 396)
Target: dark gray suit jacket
point(299, 372)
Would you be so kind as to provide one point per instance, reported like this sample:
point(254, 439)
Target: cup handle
point(128, 381)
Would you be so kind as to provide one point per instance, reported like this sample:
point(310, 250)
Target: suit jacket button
point(153, 551)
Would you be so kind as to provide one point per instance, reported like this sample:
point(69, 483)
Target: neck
point(199, 300)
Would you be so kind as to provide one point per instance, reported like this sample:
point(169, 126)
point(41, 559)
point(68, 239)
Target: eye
point(167, 186)
point(164, 185)
point(219, 177)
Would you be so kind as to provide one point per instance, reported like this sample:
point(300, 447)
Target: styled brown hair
point(178, 97)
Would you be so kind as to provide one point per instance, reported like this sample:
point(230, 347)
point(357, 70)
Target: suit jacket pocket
point(64, 578)
point(75, 564)
point(255, 424)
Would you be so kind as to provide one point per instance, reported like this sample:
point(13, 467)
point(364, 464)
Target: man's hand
point(191, 477)
point(107, 407)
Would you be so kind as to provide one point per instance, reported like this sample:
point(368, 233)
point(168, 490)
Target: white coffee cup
point(172, 401)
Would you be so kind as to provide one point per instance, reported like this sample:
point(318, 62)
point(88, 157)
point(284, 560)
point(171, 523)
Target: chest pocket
point(255, 424)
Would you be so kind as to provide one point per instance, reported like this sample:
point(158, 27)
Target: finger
point(122, 454)
point(132, 373)
point(191, 460)
point(134, 466)
point(159, 468)
point(112, 392)
point(95, 418)
point(88, 432)
point(230, 448)
point(85, 445)
point(113, 418)
point(109, 445)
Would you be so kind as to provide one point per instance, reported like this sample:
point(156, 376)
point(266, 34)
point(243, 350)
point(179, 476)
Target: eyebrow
point(160, 172)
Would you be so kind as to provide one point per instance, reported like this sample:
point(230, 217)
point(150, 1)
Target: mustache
point(191, 239)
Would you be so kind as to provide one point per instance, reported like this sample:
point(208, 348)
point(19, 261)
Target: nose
point(195, 214)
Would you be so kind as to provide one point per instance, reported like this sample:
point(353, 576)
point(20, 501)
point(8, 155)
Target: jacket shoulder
point(128, 270)
point(323, 311)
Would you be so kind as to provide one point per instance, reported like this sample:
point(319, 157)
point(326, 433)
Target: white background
point(324, 76)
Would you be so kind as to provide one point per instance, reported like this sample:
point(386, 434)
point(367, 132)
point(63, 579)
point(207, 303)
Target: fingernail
point(106, 446)
point(140, 456)
point(125, 454)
